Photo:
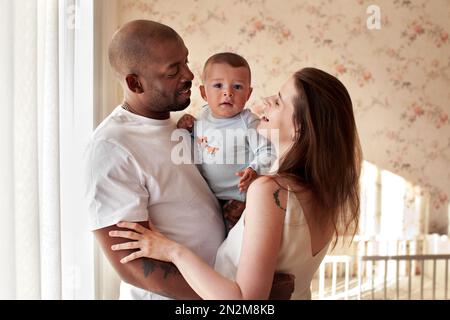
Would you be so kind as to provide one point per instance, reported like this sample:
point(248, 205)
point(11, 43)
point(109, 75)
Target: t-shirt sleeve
point(263, 150)
point(115, 189)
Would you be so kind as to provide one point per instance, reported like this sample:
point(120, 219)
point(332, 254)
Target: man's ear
point(249, 93)
point(203, 93)
point(133, 83)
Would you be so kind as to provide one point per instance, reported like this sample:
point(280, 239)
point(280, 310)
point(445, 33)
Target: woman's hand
point(150, 242)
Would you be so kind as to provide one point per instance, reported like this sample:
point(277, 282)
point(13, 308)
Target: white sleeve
point(115, 190)
point(262, 148)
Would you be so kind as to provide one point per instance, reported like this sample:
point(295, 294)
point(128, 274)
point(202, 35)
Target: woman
point(291, 216)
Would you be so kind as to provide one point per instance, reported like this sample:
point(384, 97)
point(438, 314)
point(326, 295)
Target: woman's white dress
point(295, 256)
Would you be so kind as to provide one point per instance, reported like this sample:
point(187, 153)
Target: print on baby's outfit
point(203, 142)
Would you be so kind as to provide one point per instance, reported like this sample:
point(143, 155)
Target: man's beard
point(162, 104)
point(180, 106)
point(177, 103)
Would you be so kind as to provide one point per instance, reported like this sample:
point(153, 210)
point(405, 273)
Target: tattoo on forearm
point(150, 265)
point(169, 268)
point(277, 199)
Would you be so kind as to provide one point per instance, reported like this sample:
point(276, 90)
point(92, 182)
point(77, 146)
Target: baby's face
point(226, 89)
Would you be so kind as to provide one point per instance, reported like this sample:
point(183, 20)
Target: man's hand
point(282, 287)
point(247, 176)
point(186, 122)
point(232, 211)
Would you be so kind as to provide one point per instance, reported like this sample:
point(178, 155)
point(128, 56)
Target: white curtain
point(46, 72)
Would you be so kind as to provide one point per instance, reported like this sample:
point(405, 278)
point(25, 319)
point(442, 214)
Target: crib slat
point(421, 279)
point(434, 279)
point(385, 278)
point(397, 279)
point(347, 276)
point(359, 278)
point(446, 279)
point(409, 279)
point(373, 279)
point(334, 276)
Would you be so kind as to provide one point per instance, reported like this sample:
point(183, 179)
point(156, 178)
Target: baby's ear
point(203, 93)
point(249, 93)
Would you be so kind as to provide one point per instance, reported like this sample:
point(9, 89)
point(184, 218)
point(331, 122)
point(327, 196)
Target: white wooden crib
point(375, 268)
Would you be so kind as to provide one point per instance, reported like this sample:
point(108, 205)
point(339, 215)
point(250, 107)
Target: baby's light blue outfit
point(224, 146)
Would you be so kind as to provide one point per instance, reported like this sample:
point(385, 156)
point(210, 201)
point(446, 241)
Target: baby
point(230, 152)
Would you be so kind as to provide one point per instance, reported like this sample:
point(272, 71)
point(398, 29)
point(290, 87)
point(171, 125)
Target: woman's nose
point(258, 108)
point(267, 102)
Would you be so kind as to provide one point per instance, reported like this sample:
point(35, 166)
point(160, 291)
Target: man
point(130, 175)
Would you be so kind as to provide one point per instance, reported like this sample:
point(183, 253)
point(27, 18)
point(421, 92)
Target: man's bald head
point(131, 45)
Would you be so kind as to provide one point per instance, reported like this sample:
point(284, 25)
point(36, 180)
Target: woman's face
point(277, 114)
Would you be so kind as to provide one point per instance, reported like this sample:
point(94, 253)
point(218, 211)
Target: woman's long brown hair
point(326, 156)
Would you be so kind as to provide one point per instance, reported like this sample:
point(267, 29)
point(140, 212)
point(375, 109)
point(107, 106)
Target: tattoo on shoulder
point(276, 195)
point(150, 265)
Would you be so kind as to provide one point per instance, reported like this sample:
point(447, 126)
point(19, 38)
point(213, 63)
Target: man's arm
point(159, 277)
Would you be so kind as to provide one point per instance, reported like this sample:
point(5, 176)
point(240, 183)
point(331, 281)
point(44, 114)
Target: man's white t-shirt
point(130, 177)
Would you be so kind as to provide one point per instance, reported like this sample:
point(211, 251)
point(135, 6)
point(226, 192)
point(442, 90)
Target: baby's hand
point(232, 211)
point(247, 176)
point(186, 122)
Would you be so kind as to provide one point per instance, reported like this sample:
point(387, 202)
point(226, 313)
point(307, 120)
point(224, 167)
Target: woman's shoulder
point(263, 183)
point(276, 182)
point(269, 192)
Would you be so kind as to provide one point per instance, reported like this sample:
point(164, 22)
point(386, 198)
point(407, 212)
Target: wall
point(398, 76)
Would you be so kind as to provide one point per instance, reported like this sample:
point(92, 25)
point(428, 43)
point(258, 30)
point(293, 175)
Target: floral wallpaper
point(398, 75)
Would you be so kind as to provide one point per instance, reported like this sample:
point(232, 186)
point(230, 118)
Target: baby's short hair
point(229, 58)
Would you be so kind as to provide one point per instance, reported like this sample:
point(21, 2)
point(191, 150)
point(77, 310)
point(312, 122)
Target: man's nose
point(187, 74)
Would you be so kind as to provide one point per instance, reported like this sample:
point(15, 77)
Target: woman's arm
point(261, 243)
point(262, 238)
